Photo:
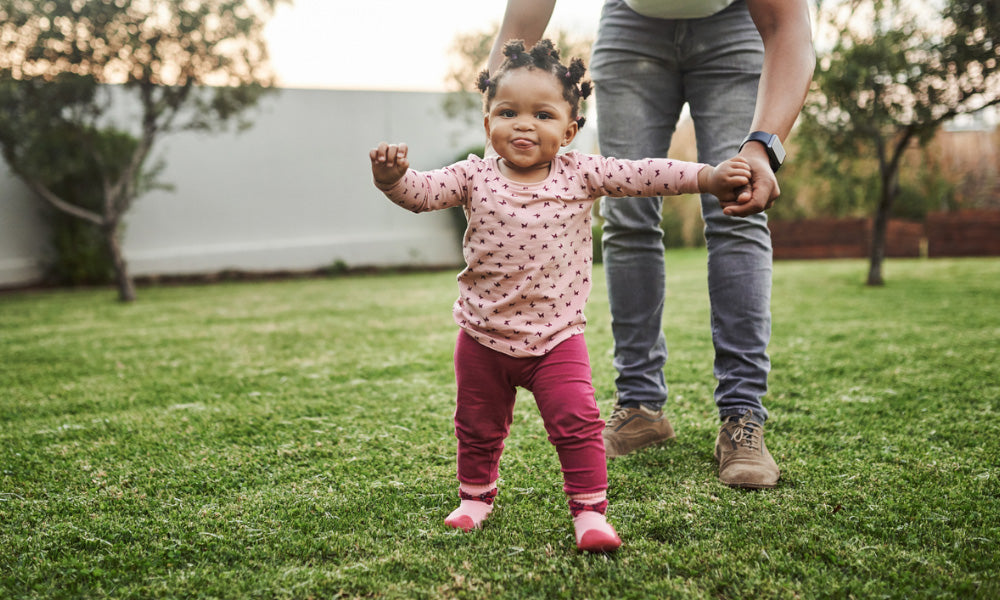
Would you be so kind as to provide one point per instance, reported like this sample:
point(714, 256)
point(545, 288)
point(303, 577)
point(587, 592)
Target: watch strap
point(775, 152)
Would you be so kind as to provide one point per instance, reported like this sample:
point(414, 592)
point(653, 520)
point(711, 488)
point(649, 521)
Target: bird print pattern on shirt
point(528, 247)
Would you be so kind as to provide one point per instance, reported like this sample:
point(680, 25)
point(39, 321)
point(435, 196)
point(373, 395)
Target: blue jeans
point(644, 71)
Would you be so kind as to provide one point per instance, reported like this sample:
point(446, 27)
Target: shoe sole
point(747, 486)
point(751, 486)
point(595, 541)
point(464, 522)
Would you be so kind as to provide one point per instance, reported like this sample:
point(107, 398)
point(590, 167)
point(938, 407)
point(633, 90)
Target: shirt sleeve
point(645, 177)
point(422, 191)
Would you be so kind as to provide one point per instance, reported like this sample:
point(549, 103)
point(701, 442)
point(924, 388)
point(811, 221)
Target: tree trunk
point(889, 172)
point(126, 288)
point(880, 227)
point(877, 250)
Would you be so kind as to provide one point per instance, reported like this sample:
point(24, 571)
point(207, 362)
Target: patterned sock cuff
point(486, 496)
point(576, 507)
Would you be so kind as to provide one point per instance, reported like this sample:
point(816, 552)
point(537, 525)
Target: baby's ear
point(571, 132)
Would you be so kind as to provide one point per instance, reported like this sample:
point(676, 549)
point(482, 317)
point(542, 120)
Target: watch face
point(777, 149)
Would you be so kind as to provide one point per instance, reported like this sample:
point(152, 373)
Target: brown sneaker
point(744, 461)
point(629, 429)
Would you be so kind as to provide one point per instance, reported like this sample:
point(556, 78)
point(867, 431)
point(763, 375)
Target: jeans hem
point(759, 416)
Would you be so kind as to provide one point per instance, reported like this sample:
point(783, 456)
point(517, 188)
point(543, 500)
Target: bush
point(80, 254)
point(598, 231)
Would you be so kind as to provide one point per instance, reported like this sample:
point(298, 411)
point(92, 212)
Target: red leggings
point(560, 382)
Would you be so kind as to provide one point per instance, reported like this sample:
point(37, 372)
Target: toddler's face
point(528, 122)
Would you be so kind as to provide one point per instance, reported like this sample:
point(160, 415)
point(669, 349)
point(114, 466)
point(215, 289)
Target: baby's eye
point(507, 113)
point(544, 115)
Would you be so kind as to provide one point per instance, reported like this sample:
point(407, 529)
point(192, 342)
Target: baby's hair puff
point(545, 57)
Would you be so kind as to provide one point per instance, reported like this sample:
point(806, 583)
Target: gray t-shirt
point(677, 9)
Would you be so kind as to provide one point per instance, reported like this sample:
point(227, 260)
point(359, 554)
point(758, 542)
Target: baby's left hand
point(729, 180)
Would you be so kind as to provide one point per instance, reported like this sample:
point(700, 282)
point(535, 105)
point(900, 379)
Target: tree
point(186, 66)
point(895, 73)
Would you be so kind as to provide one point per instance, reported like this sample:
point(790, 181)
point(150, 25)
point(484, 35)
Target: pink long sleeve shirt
point(528, 246)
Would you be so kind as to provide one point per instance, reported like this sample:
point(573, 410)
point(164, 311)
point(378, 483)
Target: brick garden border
point(962, 233)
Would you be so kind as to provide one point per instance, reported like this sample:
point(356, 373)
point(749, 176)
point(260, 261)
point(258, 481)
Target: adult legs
point(639, 99)
point(721, 86)
point(640, 94)
point(645, 69)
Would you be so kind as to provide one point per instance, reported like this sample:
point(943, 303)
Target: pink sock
point(477, 502)
point(593, 532)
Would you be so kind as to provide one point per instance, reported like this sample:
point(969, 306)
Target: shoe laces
point(619, 414)
point(747, 433)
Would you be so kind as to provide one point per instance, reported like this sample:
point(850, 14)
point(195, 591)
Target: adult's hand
point(762, 190)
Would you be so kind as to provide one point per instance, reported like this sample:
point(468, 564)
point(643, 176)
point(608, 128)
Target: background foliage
point(184, 65)
point(889, 75)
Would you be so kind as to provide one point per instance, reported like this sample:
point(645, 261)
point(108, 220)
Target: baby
point(528, 254)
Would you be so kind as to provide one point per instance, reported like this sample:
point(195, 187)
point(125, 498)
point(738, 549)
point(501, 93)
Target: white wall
point(22, 232)
point(294, 192)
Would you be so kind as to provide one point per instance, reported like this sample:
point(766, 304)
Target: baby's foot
point(593, 532)
point(477, 503)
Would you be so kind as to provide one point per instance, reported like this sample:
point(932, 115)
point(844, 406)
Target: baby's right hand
point(389, 163)
point(728, 181)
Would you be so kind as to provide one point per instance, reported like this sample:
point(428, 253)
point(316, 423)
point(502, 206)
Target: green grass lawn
point(293, 439)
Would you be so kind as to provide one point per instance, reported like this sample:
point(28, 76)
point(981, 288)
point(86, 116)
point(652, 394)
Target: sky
point(388, 44)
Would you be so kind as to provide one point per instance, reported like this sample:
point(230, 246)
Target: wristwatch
point(775, 151)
